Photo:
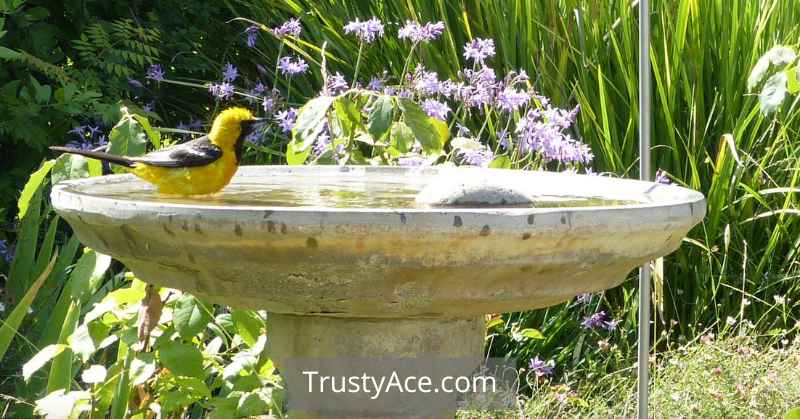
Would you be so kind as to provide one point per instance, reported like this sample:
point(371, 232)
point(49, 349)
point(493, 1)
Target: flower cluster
point(545, 132)
point(290, 67)
point(599, 320)
point(542, 368)
point(478, 50)
point(155, 72)
point(289, 28)
point(87, 137)
point(420, 33)
point(367, 31)
point(222, 90)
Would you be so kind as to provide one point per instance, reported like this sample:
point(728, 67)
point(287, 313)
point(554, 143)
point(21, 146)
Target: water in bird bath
point(344, 191)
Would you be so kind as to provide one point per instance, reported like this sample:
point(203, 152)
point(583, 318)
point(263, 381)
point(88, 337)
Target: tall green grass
point(708, 133)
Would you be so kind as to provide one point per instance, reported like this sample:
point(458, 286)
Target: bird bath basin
point(349, 264)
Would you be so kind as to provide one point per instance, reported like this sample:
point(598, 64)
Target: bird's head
point(231, 126)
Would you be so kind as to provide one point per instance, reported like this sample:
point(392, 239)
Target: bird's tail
point(99, 155)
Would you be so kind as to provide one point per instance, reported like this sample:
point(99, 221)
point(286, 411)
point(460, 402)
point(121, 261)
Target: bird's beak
point(253, 125)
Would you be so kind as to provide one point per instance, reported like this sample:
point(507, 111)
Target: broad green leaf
point(254, 403)
point(152, 134)
point(9, 326)
point(40, 359)
point(792, 414)
point(402, 138)
point(181, 358)
point(94, 375)
point(61, 369)
point(380, 116)
point(774, 93)
point(531, 334)
point(190, 316)
point(348, 115)
point(442, 131)
point(46, 248)
point(70, 166)
point(119, 402)
point(425, 130)
point(127, 138)
point(88, 273)
point(248, 324)
point(295, 155)
point(143, 366)
point(8, 54)
point(61, 404)
point(86, 339)
point(20, 275)
point(35, 182)
point(500, 162)
point(311, 121)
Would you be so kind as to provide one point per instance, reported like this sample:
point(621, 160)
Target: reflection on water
point(307, 191)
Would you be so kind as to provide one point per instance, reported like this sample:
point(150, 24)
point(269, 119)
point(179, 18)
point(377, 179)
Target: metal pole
point(644, 174)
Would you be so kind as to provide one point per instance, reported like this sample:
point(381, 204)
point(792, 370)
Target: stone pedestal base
point(305, 348)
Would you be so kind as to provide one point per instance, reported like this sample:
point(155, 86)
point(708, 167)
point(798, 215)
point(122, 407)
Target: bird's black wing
point(198, 152)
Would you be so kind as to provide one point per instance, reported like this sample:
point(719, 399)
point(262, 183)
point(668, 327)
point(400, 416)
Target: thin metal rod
point(644, 174)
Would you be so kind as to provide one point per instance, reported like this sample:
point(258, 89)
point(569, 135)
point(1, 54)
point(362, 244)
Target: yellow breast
point(199, 180)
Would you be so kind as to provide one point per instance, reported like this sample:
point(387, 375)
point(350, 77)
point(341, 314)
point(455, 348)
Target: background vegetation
point(68, 64)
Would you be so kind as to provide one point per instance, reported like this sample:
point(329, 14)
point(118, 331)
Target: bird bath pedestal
point(349, 266)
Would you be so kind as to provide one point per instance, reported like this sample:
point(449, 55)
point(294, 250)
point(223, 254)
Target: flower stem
point(408, 61)
point(358, 63)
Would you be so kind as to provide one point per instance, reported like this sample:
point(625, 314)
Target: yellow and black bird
point(202, 166)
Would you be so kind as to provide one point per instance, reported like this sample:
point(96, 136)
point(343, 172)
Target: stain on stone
point(283, 228)
point(563, 219)
point(190, 258)
point(531, 219)
point(526, 236)
point(185, 226)
point(197, 229)
point(271, 226)
point(128, 234)
point(312, 243)
point(691, 208)
point(170, 218)
point(403, 219)
point(167, 230)
point(457, 222)
point(267, 214)
point(238, 230)
point(485, 231)
point(103, 240)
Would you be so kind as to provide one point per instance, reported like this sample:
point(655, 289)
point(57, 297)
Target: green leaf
point(35, 182)
point(143, 366)
point(152, 134)
point(311, 121)
point(181, 358)
point(190, 316)
point(40, 359)
point(295, 155)
point(8, 54)
point(531, 334)
point(380, 116)
point(773, 93)
point(9, 326)
point(70, 166)
point(347, 115)
point(88, 274)
point(792, 78)
point(86, 339)
point(402, 138)
point(500, 162)
point(792, 414)
point(254, 403)
point(127, 138)
point(248, 324)
point(464, 143)
point(61, 369)
point(425, 129)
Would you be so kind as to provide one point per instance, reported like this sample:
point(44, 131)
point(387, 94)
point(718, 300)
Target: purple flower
point(543, 132)
point(511, 99)
point(155, 72)
point(420, 33)
point(79, 130)
point(662, 178)
point(268, 104)
point(479, 49)
point(292, 68)
point(611, 325)
point(462, 131)
point(376, 84)
point(366, 31)
point(259, 88)
point(542, 368)
point(335, 85)
point(480, 89)
point(502, 138)
point(229, 73)
point(435, 109)
point(477, 157)
point(595, 320)
point(583, 298)
point(6, 251)
point(286, 119)
point(82, 144)
point(252, 35)
point(135, 83)
point(425, 82)
point(323, 142)
point(289, 28)
point(222, 90)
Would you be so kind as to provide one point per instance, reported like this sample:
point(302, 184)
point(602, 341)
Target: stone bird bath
point(348, 264)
